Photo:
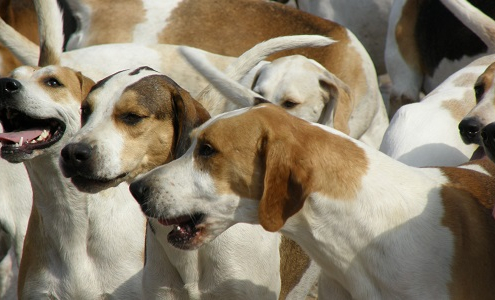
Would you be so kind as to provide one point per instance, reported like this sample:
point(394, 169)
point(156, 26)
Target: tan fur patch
point(104, 17)
point(293, 263)
point(267, 140)
point(211, 29)
point(404, 33)
point(473, 228)
point(463, 80)
point(75, 86)
point(486, 79)
point(458, 108)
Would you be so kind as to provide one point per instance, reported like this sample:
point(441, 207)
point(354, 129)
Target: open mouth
point(23, 133)
point(185, 229)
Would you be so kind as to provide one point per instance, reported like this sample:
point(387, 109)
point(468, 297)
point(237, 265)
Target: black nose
point(469, 129)
point(140, 191)
point(9, 86)
point(74, 156)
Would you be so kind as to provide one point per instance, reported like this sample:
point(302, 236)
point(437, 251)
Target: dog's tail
point(474, 19)
point(50, 28)
point(210, 98)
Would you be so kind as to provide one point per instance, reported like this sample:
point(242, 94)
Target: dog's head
point(307, 90)
point(40, 110)
point(251, 165)
point(484, 112)
point(133, 121)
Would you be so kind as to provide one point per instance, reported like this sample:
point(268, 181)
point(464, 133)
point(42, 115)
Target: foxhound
point(419, 54)
point(307, 90)
point(100, 61)
point(137, 120)
point(426, 133)
point(77, 245)
point(424, 234)
point(484, 112)
point(202, 24)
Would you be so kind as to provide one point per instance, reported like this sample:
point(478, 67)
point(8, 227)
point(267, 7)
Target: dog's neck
point(348, 238)
point(73, 234)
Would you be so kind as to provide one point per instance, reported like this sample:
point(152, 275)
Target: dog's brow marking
point(146, 68)
point(102, 82)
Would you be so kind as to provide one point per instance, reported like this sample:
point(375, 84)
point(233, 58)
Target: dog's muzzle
point(74, 157)
point(8, 88)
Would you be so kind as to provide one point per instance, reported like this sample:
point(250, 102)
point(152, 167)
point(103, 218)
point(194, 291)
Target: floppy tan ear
point(86, 84)
point(189, 114)
point(285, 184)
point(340, 99)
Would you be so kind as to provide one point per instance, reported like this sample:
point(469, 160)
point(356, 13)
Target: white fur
point(157, 14)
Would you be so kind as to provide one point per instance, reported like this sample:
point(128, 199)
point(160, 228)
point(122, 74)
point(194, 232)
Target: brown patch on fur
point(473, 229)
point(74, 84)
point(341, 95)
point(485, 81)
point(170, 114)
point(103, 17)
point(404, 33)
point(207, 24)
point(293, 263)
point(264, 154)
point(19, 14)
point(458, 108)
point(479, 185)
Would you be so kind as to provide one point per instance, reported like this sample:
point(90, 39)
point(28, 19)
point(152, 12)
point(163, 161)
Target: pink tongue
point(15, 137)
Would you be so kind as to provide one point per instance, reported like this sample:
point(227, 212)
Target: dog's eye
point(206, 150)
point(479, 90)
point(289, 104)
point(131, 119)
point(85, 112)
point(52, 82)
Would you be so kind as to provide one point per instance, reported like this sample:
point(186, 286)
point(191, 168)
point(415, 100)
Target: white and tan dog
point(484, 112)
point(238, 24)
point(419, 54)
point(307, 90)
point(426, 133)
point(142, 119)
point(77, 245)
point(375, 234)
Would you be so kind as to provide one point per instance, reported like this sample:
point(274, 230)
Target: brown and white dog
point(307, 90)
point(484, 112)
point(77, 245)
point(228, 27)
point(426, 42)
point(427, 133)
point(135, 121)
point(375, 234)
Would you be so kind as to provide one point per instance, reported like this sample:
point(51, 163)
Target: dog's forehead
point(111, 88)
point(24, 72)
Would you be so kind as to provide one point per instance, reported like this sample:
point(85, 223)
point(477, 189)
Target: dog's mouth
point(186, 230)
point(95, 184)
point(23, 133)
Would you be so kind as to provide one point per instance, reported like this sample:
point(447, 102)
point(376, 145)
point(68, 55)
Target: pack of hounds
point(247, 149)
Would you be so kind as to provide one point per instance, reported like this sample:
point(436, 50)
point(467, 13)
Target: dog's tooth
point(21, 140)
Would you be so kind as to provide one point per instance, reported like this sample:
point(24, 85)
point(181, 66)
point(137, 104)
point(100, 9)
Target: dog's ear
point(188, 114)
point(285, 183)
point(340, 99)
point(85, 83)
